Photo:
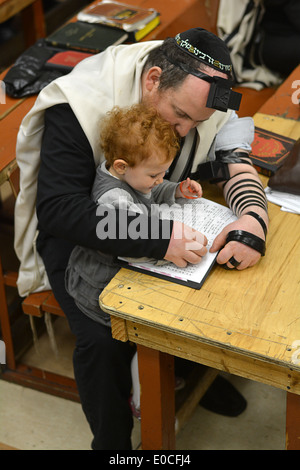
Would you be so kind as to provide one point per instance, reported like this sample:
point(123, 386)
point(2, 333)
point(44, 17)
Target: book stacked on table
point(136, 21)
point(269, 151)
point(86, 37)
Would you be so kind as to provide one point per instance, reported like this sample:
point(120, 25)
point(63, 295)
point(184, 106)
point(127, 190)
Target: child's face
point(147, 174)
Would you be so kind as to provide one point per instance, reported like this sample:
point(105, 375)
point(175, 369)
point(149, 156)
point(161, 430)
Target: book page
point(203, 215)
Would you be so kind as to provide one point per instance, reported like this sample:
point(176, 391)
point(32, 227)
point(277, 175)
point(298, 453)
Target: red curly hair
point(133, 134)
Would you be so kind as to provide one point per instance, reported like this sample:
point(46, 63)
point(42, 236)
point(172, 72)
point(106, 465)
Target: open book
point(207, 217)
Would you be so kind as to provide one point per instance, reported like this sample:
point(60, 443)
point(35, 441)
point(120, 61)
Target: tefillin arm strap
point(217, 170)
point(242, 193)
point(248, 239)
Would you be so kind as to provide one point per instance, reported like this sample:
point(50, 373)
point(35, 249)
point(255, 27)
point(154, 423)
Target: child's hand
point(189, 189)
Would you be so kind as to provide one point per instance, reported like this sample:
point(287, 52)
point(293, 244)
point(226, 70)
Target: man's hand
point(243, 254)
point(186, 245)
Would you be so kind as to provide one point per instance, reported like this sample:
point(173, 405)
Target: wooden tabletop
point(285, 102)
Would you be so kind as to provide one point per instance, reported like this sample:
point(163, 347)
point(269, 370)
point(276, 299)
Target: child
point(139, 147)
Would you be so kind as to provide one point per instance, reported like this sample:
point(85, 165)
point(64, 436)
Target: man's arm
point(244, 194)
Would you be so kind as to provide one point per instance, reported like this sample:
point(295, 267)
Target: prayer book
point(269, 150)
point(66, 60)
point(207, 217)
point(86, 37)
point(135, 20)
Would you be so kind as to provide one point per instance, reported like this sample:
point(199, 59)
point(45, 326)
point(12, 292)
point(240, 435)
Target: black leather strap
point(259, 219)
point(247, 239)
point(231, 156)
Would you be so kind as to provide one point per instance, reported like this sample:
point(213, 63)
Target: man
point(186, 79)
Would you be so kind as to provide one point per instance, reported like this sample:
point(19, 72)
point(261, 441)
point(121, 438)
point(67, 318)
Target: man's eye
point(181, 114)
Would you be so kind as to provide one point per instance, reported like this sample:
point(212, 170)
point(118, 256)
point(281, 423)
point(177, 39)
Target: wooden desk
point(246, 323)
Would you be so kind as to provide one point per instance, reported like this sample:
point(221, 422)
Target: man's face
point(185, 106)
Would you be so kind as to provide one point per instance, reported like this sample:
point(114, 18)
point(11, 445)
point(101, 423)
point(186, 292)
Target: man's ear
point(120, 166)
point(151, 79)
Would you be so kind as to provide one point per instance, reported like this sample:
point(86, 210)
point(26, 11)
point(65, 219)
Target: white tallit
point(91, 89)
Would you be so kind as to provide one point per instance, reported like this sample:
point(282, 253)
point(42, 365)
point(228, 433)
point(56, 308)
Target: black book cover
point(86, 37)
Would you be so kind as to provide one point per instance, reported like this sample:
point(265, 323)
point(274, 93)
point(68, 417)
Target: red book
point(66, 60)
point(269, 150)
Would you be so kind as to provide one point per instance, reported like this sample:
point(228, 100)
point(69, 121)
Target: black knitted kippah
point(206, 47)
